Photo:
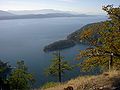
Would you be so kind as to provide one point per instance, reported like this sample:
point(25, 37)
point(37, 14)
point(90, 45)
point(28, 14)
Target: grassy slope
point(105, 81)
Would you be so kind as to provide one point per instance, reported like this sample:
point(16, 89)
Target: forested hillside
point(103, 53)
point(89, 31)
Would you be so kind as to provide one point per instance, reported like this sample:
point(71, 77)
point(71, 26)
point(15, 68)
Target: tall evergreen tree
point(58, 66)
point(20, 78)
point(105, 52)
point(5, 71)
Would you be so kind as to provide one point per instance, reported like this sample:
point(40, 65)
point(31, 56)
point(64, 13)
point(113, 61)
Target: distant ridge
point(4, 13)
point(49, 15)
point(43, 11)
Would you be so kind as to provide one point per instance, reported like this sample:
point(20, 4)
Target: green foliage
point(3, 66)
point(58, 66)
point(20, 79)
point(105, 52)
point(59, 45)
point(5, 70)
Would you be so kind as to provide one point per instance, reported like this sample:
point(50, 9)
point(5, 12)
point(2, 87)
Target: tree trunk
point(59, 66)
point(111, 62)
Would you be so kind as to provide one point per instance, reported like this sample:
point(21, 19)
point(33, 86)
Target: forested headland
point(74, 38)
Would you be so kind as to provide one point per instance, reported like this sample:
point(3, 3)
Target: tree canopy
point(105, 50)
point(58, 66)
point(20, 78)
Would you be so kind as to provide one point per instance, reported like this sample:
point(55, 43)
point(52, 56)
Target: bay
point(24, 39)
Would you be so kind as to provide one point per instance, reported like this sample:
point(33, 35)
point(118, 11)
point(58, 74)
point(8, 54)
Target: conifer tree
point(105, 52)
point(20, 78)
point(5, 70)
point(58, 66)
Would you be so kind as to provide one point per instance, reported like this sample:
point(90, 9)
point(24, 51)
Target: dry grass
point(105, 81)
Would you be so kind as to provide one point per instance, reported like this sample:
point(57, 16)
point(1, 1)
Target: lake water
point(24, 39)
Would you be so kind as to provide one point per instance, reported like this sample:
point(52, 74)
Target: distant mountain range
point(46, 13)
point(4, 13)
point(43, 11)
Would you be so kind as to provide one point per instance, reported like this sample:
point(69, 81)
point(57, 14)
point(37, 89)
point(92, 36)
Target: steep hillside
point(91, 29)
point(105, 81)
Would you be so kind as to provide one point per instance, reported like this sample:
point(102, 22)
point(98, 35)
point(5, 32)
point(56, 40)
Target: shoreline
point(72, 39)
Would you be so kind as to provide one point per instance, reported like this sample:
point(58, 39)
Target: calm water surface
point(24, 39)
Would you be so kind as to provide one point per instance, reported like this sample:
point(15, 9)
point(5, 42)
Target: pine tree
point(20, 78)
point(105, 52)
point(58, 66)
point(5, 70)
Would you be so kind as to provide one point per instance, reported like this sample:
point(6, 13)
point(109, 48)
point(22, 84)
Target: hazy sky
point(81, 6)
